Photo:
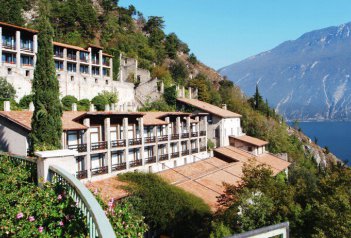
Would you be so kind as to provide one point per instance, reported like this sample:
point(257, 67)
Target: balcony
point(83, 174)
point(118, 143)
point(185, 135)
point(119, 167)
point(78, 147)
point(194, 150)
point(150, 160)
point(95, 61)
point(202, 133)
point(27, 49)
point(150, 139)
point(84, 60)
point(203, 148)
point(9, 46)
point(163, 157)
point(58, 54)
point(100, 170)
point(102, 145)
point(135, 163)
point(175, 137)
point(163, 138)
point(194, 134)
point(175, 155)
point(72, 57)
point(106, 64)
point(185, 152)
point(135, 141)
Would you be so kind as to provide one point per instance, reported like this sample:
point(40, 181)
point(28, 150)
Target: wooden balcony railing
point(194, 134)
point(185, 152)
point(102, 145)
point(100, 170)
point(84, 60)
point(150, 139)
point(135, 141)
point(150, 160)
point(203, 148)
point(185, 135)
point(106, 64)
point(162, 157)
point(174, 155)
point(27, 49)
point(163, 138)
point(174, 136)
point(202, 133)
point(58, 54)
point(9, 46)
point(72, 57)
point(118, 167)
point(135, 163)
point(83, 174)
point(78, 147)
point(194, 150)
point(118, 143)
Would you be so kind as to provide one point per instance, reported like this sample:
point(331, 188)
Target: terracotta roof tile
point(18, 27)
point(209, 108)
point(68, 46)
point(24, 118)
point(250, 140)
point(154, 118)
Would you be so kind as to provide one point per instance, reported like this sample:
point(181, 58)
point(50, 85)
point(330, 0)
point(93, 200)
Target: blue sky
point(221, 32)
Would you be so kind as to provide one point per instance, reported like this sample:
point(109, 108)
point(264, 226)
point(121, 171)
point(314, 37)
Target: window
point(250, 149)
point(58, 51)
point(26, 60)
point(9, 58)
point(95, 70)
point(84, 56)
point(26, 44)
point(84, 69)
point(97, 161)
point(72, 78)
point(117, 157)
point(94, 135)
point(59, 65)
point(209, 119)
point(9, 71)
point(9, 42)
point(71, 67)
point(106, 72)
point(27, 73)
point(106, 81)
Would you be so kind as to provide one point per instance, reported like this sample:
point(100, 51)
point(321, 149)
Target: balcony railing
point(102, 145)
point(194, 134)
point(118, 143)
point(185, 135)
point(78, 147)
point(94, 61)
point(27, 49)
point(106, 64)
point(9, 46)
point(84, 60)
point(202, 133)
point(150, 160)
point(163, 157)
point(72, 57)
point(58, 54)
point(83, 174)
point(175, 155)
point(135, 163)
point(203, 148)
point(174, 136)
point(100, 170)
point(135, 141)
point(150, 139)
point(118, 167)
point(194, 150)
point(163, 138)
point(185, 152)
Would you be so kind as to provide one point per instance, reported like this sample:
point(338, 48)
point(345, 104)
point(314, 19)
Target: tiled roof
point(108, 55)
point(68, 46)
point(207, 107)
point(153, 118)
point(24, 118)
point(235, 153)
point(18, 27)
point(95, 46)
point(250, 140)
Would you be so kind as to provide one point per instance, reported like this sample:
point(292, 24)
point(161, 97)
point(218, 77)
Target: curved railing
point(99, 225)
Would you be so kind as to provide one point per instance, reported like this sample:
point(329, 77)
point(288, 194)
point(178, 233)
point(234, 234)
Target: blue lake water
point(335, 135)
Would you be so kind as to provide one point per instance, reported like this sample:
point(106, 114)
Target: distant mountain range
point(306, 79)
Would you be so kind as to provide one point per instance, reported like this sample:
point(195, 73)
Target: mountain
point(306, 79)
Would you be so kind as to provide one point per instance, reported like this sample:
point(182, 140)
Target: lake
point(335, 135)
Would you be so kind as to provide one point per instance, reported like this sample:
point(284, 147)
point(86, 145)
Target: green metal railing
point(99, 225)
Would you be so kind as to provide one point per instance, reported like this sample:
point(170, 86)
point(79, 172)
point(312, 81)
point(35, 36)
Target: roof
point(24, 119)
point(108, 55)
point(250, 140)
point(95, 46)
point(235, 153)
point(207, 107)
point(68, 46)
point(18, 27)
point(154, 118)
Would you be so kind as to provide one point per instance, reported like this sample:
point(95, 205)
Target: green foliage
point(7, 90)
point(83, 105)
point(206, 91)
point(172, 45)
point(170, 96)
point(46, 122)
point(162, 73)
point(11, 10)
point(160, 105)
point(219, 230)
point(104, 98)
point(210, 144)
point(25, 207)
point(25, 101)
point(192, 58)
point(67, 102)
point(13, 104)
point(179, 72)
point(111, 97)
point(167, 209)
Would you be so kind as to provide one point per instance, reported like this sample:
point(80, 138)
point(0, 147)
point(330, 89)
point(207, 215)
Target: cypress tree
point(46, 121)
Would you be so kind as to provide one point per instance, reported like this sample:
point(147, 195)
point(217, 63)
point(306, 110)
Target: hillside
point(306, 79)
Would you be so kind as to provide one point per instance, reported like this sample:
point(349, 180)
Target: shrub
point(67, 102)
point(25, 101)
point(83, 104)
point(170, 96)
point(99, 101)
point(7, 90)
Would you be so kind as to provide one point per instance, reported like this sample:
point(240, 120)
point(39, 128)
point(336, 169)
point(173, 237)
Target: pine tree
point(46, 121)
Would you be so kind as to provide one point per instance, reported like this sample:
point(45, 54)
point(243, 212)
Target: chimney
point(224, 106)
point(196, 93)
point(31, 107)
point(107, 108)
point(74, 107)
point(7, 106)
point(190, 93)
point(113, 106)
point(92, 108)
point(162, 87)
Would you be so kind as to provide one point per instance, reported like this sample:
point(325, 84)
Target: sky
point(222, 32)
